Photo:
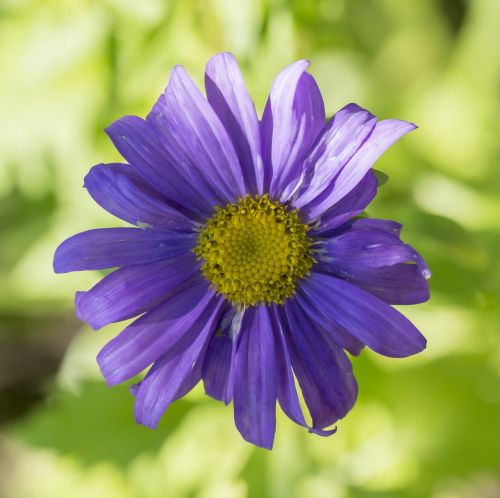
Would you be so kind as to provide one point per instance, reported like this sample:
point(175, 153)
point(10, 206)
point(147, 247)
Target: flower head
point(249, 264)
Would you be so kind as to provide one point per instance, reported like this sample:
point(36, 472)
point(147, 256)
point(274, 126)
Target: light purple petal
point(178, 370)
point(219, 358)
point(372, 321)
point(384, 134)
point(292, 120)
point(116, 189)
point(323, 370)
point(344, 135)
point(194, 136)
point(132, 290)
point(111, 247)
point(138, 143)
point(153, 334)
point(255, 388)
point(348, 207)
point(228, 96)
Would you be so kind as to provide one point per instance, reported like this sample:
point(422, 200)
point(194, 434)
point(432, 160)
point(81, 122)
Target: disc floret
point(255, 250)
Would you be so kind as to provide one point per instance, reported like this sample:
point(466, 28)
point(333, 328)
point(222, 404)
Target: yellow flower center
point(254, 251)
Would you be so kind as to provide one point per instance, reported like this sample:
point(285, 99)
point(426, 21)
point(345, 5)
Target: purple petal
point(292, 120)
point(287, 393)
point(153, 334)
point(339, 335)
point(323, 370)
point(178, 370)
point(195, 137)
point(115, 187)
point(132, 290)
point(384, 134)
point(228, 96)
point(138, 143)
point(343, 136)
point(219, 358)
point(377, 261)
point(255, 388)
point(373, 248)
point(397, 284)
point(111, 247)
point(348, 207)
point(388, 226)
point(372, 321)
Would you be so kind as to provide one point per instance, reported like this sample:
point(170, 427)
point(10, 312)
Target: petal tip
point(222, 55)
point(83, 314)
point(109, 375)
point(354, 108)
point(407, 126)
point(134, 389)
point(142, 417)
point(323, 432)
point(58, 264)
point(177, 71)
point(150, 424)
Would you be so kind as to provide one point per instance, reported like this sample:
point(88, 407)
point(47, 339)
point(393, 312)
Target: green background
point(427, 426)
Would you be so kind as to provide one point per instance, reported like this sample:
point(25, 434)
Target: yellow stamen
point(254, 251)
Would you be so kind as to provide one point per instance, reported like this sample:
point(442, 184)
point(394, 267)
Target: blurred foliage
point(111, 425)
point(425, 426)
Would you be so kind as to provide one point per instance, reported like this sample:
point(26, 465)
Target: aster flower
point(249, 265)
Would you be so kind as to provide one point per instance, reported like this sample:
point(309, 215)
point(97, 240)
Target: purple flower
point(249, 264)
